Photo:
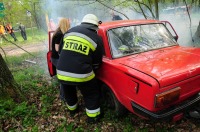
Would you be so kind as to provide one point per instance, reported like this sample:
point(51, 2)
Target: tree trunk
point(196, 36)
point(199, 5)
point(8, 86)
point(157, 9)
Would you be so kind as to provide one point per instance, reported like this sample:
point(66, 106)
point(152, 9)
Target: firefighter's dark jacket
point(81, 51)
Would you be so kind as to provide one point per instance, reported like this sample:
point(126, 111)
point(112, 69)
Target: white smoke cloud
point(77, 9)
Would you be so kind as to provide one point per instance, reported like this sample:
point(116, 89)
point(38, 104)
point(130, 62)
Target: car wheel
point(111, 102)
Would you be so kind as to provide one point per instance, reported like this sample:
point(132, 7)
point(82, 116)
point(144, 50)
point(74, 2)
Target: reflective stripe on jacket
point(85, 39)
point(77, 55)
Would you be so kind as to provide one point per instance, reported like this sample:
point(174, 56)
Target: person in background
point(23, 31)
point(52, 25)
point(10, 30)
point(63, 27)
point(80, 56)
point(115, 17)
point(2, 33)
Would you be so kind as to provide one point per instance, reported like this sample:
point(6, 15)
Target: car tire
point(110, 101)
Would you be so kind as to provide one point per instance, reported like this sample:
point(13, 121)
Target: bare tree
point(196, 36)
point(156, 9)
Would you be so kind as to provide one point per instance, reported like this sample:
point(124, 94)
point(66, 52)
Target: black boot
point(73, 112)
point(93, 120)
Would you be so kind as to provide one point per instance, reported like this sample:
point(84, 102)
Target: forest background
point(33, 101)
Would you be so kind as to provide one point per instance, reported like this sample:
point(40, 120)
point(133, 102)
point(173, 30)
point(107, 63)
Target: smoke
point(181, 23)
point(75, 10)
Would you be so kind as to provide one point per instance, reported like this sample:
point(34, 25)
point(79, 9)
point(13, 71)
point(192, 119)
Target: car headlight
point(167, 97)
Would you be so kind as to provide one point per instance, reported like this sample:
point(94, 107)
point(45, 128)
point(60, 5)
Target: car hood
point(168, 65)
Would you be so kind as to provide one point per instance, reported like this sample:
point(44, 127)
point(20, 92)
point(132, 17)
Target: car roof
point(119, 23)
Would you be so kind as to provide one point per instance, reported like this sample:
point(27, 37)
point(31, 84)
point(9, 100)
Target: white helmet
point(90, 18)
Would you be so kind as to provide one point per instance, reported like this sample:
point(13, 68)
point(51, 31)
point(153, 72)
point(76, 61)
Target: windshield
point(135, 39)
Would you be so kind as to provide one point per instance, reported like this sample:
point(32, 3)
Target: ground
point(60, 115)
point(13, 50)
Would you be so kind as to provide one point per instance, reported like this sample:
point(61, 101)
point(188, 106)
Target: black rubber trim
point(167, 114)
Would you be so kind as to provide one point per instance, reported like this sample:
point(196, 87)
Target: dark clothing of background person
point(116, 17)
point(63, 26)
point(57, 37)
point(10, 30)
point(23, 31)
point(73, 63)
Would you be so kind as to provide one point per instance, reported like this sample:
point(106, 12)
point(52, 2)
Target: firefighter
point(52, 25)
point(10, 30)
point(80, 56)
point(2, 32)
point(115, 17)
point(23, 31)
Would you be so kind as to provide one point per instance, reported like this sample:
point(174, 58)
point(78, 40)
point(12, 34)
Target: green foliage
point(69, 127)
point(42, 112)
point(16, 11)
point(46, 102)
point(30, 78)
point(5, 107)
point(9, 109)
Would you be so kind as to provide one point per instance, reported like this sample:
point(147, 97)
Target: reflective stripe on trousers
point(72, 107)
point(93, 113)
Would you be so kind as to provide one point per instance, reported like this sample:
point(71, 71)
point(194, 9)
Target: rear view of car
point(147, 71)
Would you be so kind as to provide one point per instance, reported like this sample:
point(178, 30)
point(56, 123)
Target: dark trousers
point(13, 35)
point(90, 91)
point(24, 35)
point(54, 61)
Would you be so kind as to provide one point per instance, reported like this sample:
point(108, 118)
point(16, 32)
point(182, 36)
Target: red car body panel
point(154, 71)
point(168, 65)
point(136, 79)
point(51, 67)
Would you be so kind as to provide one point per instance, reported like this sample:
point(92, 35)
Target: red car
point(145, 71)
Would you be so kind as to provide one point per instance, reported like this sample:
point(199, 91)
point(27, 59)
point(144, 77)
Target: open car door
point(51, 67)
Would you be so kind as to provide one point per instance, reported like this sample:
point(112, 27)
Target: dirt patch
point(13, 50)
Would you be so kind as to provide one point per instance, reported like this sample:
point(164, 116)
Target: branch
point(4, 53)
point(112, 9)
point(120, 3)
point(146, 7)
point(19, 47)
point(141, 9)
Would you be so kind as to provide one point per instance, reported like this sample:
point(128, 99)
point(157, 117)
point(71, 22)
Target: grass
point(34, 35)
point(43, 110)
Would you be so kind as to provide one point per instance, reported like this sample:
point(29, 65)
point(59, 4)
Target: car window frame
point(109, 43)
